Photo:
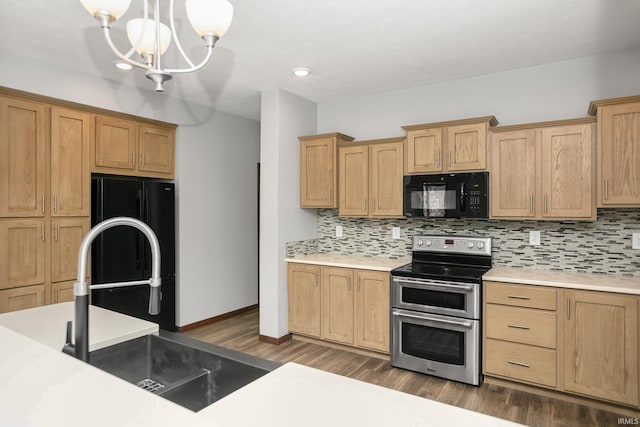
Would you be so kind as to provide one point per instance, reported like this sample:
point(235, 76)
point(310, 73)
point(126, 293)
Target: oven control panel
point(453, 244)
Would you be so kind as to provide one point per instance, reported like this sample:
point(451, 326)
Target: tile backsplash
point(603, 246)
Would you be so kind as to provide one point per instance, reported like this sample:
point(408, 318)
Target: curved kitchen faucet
point(81, 288)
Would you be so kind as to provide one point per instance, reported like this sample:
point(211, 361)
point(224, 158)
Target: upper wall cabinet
point(459, 145)
point(370, 178)
point(618, 183)
point(543, 170)
point(23, 152)
point(125, 147)
point(318, 170)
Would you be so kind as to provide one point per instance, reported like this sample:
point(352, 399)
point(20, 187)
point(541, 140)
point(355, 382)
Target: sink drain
point(150, 385)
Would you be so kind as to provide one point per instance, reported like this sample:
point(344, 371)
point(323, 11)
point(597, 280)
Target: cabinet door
point(318, 173)
point(372, 310)
point(21, 298)
point(354, 181)
point(22, 252)
point(386, 179)
point(23, 164)
point(424, 151)
point(304, 299)
point(70, 176)
point(115, 145)
point(62, 292)
point(337, 304)
point(157, 147)
point(567, 174)
point(619, 152)
point(601, 345)
point(467, 147)
point(513, 173)
point(67, 234)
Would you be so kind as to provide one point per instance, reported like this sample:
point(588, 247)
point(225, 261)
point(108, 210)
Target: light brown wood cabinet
point(125, 147)
point(453, 146)
point(601, 345)
point(304, 299)
point(370, 178)
point(618, 136)
point(319, 170)
point(343, 305)
point(584, 343)
point(45, 200)
point(520, 341)
point(543, 170)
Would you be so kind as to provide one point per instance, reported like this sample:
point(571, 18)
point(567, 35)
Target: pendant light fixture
point(150, 38)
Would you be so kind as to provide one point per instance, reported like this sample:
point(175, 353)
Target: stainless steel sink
point(188, 372)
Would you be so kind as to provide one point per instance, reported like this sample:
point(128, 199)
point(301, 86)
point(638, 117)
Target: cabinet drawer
point(522, 325)
point(520, 295)
point(521, 362)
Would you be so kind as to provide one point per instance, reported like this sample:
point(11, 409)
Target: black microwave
point(450, 195)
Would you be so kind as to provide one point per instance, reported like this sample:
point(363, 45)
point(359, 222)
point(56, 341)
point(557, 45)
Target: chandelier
point(151, 38)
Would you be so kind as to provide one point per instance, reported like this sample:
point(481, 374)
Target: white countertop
point(43, 387)
point(350, 261)
point(565, 279)
point(47, 325)
point(296, 395)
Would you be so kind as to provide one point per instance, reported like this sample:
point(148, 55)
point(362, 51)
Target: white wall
point(555, 91)
point(217, 154)
point(284, 117)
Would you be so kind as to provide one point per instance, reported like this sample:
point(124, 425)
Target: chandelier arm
point(107, 36)
point(196, 67)
point(172, 21)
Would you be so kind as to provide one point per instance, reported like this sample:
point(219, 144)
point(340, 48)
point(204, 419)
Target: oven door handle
point(433, 319)
point(434, 285)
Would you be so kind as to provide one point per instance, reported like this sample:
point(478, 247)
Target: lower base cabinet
point(22, 298)
point(585, 345)
point(343, 305)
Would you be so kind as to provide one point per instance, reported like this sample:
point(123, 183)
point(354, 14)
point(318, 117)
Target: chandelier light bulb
point(209, 16)
point(113, 8)
point(147, 44)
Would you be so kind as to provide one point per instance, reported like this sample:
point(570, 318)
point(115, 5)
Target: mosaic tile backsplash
point(603, 246)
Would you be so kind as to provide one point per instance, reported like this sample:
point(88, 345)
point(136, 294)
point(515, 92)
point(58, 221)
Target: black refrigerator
point(123, 253)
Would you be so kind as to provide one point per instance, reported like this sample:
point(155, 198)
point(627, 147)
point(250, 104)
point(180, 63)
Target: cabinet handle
point(531, 203)
point(316, 276)
point(55, 204)
point(568, 308)
point(375, 205)
point(349, 283)
point(544, 200)
point(364, 204)
point(142, 160)
point(438, 158)
point(606, 189)
point(55, 296)
point(55, 233)
point(518, 297)
point(133, 158)
point(449, 158)
point(42, 298)
point(358, 290)
point(43, 203)
point(42, 232)
point(513, 362)
point(330, 195)
point(519, 327)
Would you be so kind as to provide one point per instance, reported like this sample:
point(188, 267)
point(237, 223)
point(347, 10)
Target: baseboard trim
point(216, 318)
point(272, 340)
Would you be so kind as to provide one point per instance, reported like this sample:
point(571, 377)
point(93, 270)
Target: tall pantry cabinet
point(44, 199)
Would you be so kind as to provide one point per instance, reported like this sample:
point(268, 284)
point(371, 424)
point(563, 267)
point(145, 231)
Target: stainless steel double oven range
point(435, 307)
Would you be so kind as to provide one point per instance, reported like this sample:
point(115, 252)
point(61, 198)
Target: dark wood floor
point(241, 333)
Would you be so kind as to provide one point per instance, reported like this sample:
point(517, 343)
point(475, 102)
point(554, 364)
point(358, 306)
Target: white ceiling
point(354, 47)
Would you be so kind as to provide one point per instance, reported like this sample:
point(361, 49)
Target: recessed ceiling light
point(301, 71)
point(123, 65)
